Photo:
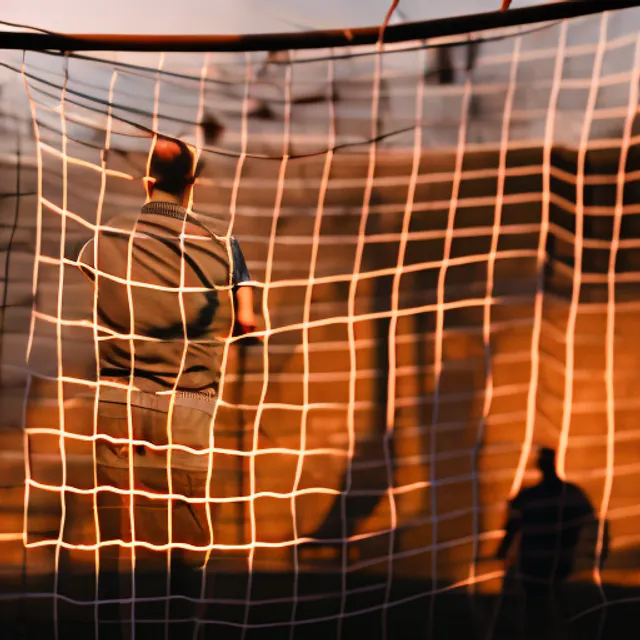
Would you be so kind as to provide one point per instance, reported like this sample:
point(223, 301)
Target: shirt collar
point(169, 209)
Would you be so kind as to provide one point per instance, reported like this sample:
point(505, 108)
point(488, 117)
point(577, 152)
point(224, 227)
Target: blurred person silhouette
point(171, 288)
point(545, 528)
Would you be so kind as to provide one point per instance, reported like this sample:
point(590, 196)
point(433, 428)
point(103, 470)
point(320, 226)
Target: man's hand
point(245, 318)
point(244, 331)
point(245, 321)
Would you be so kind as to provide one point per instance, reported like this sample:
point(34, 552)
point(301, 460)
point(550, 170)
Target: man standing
point(171, 289)
point(544, 528)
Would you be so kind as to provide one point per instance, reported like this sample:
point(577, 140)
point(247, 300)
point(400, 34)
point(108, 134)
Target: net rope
point(445, 279)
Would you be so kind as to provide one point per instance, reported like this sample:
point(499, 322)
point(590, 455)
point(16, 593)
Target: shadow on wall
point(428, 423)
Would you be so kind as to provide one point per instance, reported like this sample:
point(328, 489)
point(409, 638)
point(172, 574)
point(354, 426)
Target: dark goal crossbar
point(445, 27)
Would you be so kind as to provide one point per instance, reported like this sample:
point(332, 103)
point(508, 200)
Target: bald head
point(167, 150)
point(171, 166)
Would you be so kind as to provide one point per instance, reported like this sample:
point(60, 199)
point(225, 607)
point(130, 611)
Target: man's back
point(164, 302)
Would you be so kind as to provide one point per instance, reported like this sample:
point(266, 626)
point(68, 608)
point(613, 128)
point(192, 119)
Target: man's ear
point(148, 183)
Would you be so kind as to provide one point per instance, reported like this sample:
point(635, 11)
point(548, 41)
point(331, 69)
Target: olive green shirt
point(164, 297)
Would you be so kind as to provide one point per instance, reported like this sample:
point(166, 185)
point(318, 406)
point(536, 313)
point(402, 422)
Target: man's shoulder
point(124, 220)
point(83, 251)
point(524, 497)
point(215, 226)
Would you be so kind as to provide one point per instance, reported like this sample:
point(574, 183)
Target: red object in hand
point(505, 5)
point(241, 330)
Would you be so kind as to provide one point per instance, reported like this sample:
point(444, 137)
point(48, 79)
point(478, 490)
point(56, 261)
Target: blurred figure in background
point(543, 530)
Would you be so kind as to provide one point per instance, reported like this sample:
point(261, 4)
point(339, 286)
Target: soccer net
point(443, 240)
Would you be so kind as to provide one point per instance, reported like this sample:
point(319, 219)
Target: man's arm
point(512, 529)
point(245, 316)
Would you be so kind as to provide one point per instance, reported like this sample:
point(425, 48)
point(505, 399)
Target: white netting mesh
point(446, 278)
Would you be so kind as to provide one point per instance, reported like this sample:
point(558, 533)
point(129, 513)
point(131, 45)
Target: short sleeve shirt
point(164, 297)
